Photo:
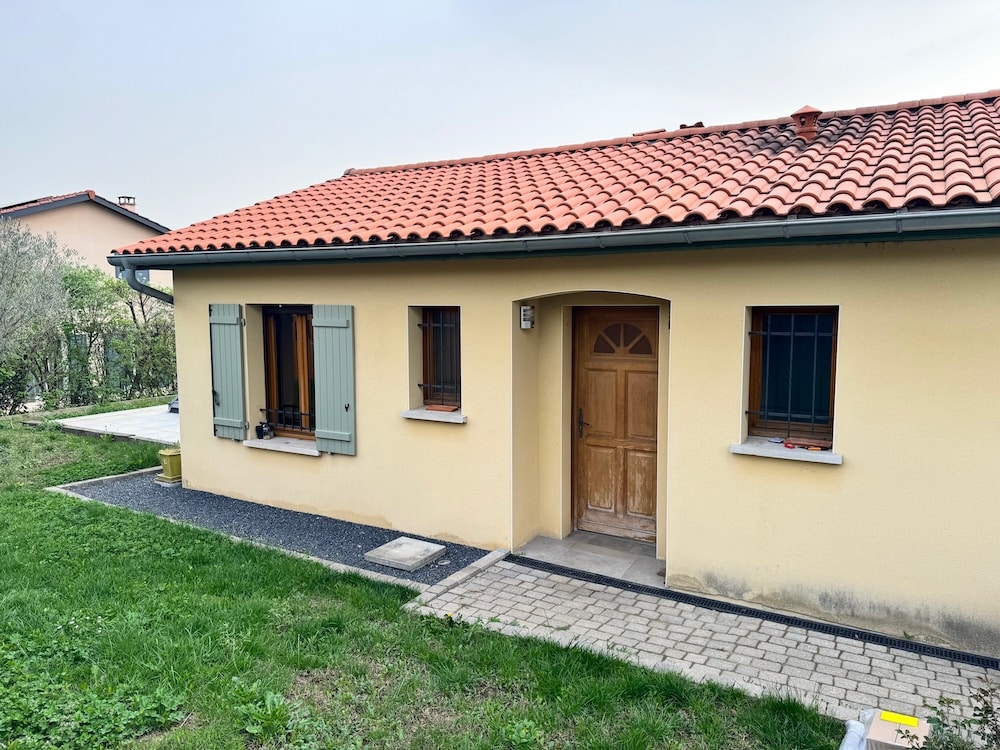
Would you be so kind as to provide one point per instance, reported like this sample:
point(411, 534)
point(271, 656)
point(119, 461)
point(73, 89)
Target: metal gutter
point(889, 227)
point(128, 272)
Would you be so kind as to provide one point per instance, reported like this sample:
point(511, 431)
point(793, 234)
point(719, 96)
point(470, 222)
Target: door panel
point(615, 403)
point(602, 478)
point(601, 413)
point(640, 405)
point(640, 473)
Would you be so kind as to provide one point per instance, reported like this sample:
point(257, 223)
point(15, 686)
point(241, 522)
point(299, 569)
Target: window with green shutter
point(308, 373)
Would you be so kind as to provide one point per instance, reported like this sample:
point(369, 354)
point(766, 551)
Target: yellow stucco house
point(770, 348)
point(89, 224)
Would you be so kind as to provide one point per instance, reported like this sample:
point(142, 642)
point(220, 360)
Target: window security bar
point(795, 376)
point(442, 382)
point(289, 418)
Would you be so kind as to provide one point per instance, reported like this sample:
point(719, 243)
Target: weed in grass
point(54, 693)
point(525, 735)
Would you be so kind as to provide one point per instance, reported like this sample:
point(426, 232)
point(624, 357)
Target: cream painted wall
point(451, 481)
point(93, 231)
point(903, 535)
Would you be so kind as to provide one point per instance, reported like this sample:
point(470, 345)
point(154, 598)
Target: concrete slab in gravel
point(405, 553)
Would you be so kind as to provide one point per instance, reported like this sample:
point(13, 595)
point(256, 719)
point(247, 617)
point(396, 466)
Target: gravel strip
point(326, 538)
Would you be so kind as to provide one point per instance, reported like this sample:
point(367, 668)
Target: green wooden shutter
point(225, 325)
point(333, 339)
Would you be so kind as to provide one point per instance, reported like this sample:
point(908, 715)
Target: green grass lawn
point(118, 629)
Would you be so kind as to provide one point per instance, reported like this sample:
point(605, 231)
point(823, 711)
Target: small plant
point(950, 730)
point(525, 734)
point(267, 719)
point(275, 721)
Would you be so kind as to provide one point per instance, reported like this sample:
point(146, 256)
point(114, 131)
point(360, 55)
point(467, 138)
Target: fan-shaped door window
point(623, 339)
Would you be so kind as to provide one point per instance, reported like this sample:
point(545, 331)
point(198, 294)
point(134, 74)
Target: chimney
point(127, 202)
point(805, 122)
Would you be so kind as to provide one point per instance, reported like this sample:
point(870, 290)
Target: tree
point(32, 295)
point(144, 346)
point(93, 320)
point(74, 332)
point(113, 344)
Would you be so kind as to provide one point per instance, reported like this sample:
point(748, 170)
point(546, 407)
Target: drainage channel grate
point(841, 631)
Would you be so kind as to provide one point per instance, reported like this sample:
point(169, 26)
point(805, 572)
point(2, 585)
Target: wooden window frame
point(799, 433)
point(441, 389)
point(304, 366)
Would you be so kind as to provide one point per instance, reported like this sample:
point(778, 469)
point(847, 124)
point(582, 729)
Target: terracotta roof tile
point(922, 154)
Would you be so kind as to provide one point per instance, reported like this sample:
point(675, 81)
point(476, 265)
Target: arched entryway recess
point(589, 423)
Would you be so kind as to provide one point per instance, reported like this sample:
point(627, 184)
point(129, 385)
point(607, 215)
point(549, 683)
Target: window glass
point(290, 369)
point(442, 376)
point(792, 362)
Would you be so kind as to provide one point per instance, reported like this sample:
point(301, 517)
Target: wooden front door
point(614, 420)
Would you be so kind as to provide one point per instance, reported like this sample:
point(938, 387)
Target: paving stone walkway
point(840, 676)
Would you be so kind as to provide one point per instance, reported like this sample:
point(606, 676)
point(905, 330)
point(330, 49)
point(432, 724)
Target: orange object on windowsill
point(811, 443)
point(440, 407)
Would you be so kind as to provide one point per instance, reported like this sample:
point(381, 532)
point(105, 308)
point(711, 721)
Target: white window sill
point(285, 445)
point(428, 415)
point(756, 446)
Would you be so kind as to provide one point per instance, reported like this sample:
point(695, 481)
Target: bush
point(15, 381)
point(950, 730)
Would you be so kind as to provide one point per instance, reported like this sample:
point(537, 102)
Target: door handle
point(580, 424)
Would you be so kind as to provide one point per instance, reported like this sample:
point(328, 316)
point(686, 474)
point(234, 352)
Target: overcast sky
point(198, 107)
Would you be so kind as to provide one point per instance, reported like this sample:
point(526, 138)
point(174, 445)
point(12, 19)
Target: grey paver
point(839, 675)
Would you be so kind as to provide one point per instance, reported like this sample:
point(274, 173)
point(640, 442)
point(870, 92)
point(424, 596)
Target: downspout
point(129, 273)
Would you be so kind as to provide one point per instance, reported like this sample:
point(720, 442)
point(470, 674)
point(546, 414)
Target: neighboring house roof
point(913, 156)
point(17, 210)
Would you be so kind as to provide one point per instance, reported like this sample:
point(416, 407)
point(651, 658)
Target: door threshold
point(615, 557)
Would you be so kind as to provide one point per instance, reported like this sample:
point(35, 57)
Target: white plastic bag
point(855, 737)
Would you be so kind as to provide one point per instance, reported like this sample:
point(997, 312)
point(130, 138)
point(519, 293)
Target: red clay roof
point(928, 154)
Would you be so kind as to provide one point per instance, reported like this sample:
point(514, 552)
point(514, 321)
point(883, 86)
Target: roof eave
point(85, 198)
point(897, 226)
point(130, 215)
